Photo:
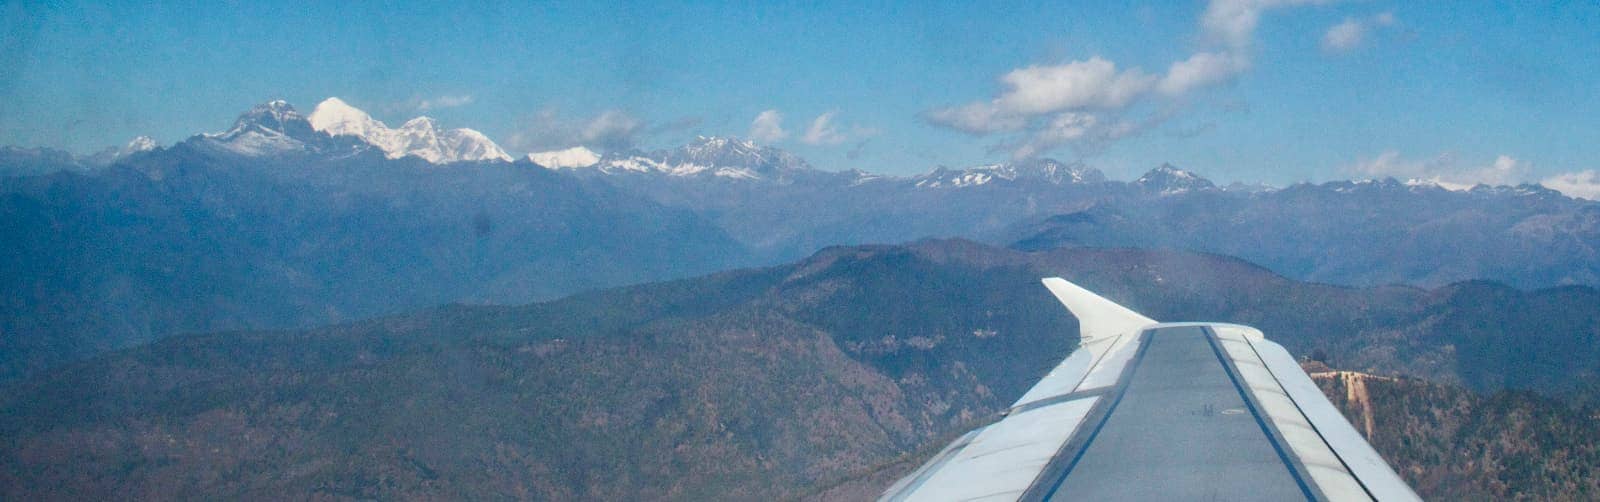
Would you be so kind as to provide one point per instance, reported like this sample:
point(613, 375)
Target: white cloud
point(1504, 171)
point(1443, 170)
point(1040, 106)
point(1344, 36)
point(559, 159)
point(611, 127)
point(767, 127)
point(423, 105)
point(823, 131)
point(1389, 164)
point(608, 131)
point(1582, 184)
point(1064, 128)
point(1050, 103)
point(977, 118)
point(1352, 32)
point(1092, 83)
point(1200, 70)
point(1233, 22)
point(1069, 126)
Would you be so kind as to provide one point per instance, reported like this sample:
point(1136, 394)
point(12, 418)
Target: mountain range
point(273, 224)
point(286, 220)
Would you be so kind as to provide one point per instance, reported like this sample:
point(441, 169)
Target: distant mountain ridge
point(1042, 169)
point(207, 235)
point(781, 207)
point(336, 128)
point(38, 161)
point(275, 223)
point(1351, 232)
point(277, 128)
point(720, 157)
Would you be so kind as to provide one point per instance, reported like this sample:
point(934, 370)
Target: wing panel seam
point(1290, 460)
point(1080, 440)
point(1313, 425)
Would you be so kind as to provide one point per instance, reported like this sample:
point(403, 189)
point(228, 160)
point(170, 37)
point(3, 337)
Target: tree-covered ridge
point(750, 384)
point(1454, 444)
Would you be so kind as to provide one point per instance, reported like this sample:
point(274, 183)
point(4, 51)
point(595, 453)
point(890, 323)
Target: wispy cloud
point(858, 151)
point(976, 118)
point(439, 102)
point(1087, 103)
point(1232, 23)
point(767, 127)
point(1201, 70)
point(1582, 184)
point(826, 130)
point(1352, 32)
point(609, 130)
point(823, 131)
point(1446, 170)
point(1094, 83)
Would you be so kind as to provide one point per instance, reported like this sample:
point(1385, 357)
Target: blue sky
point(1269, 90)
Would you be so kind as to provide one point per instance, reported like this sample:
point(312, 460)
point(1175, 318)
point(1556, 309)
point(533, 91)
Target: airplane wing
point(1161, 411)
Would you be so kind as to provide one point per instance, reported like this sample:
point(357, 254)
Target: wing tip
point(1097, 316)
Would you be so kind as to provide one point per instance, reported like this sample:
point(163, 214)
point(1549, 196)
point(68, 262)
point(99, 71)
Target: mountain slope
point(1452, 444)
point(1357, 233)
point(195, 239)
point(759, 383)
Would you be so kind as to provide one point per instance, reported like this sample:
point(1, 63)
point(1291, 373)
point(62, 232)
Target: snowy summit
point(420, 137)
point(577, 156)
point(268, 128)
point(1167, 180)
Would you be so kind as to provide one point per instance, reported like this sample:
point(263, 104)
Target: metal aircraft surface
point(1144, 410)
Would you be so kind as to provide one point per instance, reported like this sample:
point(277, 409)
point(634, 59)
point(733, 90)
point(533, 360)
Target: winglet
point(1097, 316)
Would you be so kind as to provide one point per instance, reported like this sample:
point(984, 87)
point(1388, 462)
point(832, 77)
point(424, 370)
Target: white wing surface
point(1143, 410)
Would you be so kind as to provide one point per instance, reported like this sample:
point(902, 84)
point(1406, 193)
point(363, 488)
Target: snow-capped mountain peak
point(1168, 179)
point(577, 156)
point(335, 117)
point(268, 128)
point(420, 137)
point(139, 144)
point(112, 154)
point(719, 157)
point(469, 144)
point(712, 149)
point(1042, 170)
point(271, 117)
point(731, 157)
point(423, 123)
